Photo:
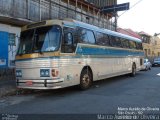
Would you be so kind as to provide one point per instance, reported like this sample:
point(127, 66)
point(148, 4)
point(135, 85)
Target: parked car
point(156, 62)
point(147, 64)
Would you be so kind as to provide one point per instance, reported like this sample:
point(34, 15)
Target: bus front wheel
point(133, 73)
point(85, 79)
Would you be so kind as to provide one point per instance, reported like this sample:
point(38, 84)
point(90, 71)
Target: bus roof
point(102, 30)
point(74, 23)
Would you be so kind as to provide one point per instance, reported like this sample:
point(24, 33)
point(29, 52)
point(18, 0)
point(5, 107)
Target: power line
point(131, 7)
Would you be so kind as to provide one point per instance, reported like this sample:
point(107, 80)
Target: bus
point(56, 53)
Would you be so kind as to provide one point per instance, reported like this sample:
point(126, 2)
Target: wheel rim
point(85, 80)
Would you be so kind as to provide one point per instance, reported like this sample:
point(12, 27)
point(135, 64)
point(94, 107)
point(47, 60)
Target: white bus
point(60, 53)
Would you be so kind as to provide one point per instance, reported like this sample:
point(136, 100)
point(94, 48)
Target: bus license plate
point(29, 83)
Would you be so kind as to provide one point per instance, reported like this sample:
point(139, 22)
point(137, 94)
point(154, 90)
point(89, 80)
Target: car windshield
point(43, 39)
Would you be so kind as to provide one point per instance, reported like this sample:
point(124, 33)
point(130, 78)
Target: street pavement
point(122, 95)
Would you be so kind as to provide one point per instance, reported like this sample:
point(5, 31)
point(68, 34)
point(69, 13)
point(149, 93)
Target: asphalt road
point(122, 95)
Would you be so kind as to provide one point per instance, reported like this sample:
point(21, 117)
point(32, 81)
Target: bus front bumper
point(40, 84)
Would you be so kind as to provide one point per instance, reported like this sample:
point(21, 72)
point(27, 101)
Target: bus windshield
point(43, 39)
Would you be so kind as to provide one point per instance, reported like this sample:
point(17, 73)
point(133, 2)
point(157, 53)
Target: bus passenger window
point(102, 39)
point(86, 36)
point(113, 41)
point(125, 43)
point(118, 42)
point(91, 38)
point(83, 36)
point(99, 38)
point(68, 42)
point(106, 39)
point(139, 46)
point(132, 44)
point(68, 39)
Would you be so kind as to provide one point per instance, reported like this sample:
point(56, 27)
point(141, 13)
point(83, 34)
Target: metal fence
point(37, 10)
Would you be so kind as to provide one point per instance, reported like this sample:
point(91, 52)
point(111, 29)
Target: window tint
point(69, 42)
point(106, 38)
point(118, 41)
point(112, 41)
point(132, 44)
point(125, 43)
point(86, 36)
point(115, 41)
point(91, 37)
point(102, 39)
point(139, 46)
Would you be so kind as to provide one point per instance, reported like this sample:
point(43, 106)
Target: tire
point(85, 79)
point(133, 73)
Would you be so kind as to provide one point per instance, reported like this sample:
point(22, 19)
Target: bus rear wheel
point(133, 73)
point(85, 79)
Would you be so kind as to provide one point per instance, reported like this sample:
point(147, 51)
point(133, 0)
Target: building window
point(145, 50)
point(149, 51)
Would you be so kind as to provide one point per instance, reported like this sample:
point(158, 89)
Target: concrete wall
point(11, 49)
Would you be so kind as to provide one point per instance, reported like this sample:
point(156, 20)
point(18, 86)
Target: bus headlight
point(18, 73)
point(44, 72)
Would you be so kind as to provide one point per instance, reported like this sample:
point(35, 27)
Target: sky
point(145, 16)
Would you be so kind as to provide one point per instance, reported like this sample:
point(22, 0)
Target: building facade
point(151, 45)
point(148, 45)
point(156, 45)
point(16, 13)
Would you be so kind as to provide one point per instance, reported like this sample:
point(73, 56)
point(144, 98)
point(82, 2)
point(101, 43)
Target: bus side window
point(106, 39)
point(102, 39)
point(85, 36)
point(68, 43)
point(118, 42)
point(91, 38)
point(112, 41)
point(99, 38)
point(139, 46)
point(125, 43)
point(132, 44)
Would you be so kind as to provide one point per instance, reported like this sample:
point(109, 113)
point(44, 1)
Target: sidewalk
point(7, 87)
point(7, 81)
